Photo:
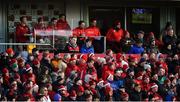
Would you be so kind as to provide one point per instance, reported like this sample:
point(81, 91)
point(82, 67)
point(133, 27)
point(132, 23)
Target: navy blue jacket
point(84, 49)
point(136, 50)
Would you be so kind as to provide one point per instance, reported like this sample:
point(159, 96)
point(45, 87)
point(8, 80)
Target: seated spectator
point(145, 77)
point(126, 42)
point(62, 24)
point(80, 30)
point(22, 52)
point(87, 47)
point(152, 47)
point(150, 37)
point(168, 49)
point(170, 39)
point(137, 48)
point(92, 30)
point(44, 91)
point(140, 35)
point(72, 45)
point(165, 29)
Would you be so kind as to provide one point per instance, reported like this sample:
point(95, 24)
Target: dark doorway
point(177, 22)
point(106, 16)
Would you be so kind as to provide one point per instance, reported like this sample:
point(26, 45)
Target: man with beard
point(72, 45)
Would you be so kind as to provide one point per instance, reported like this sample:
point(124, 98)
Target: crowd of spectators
point(149, 71)
point(68, 77)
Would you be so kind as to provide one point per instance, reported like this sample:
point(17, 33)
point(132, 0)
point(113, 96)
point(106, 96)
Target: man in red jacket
point(93, 30)
point(62, 24)
point(21, 30)
point(79, 31)
point(114, 35)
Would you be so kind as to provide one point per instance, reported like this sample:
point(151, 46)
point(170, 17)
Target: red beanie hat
point(91, 55)
point(124, 95)
point(151, 34)
point(117, 22)
point(36, 62)
point(137, 82)
point(73, 93)
point(61, 87)
point(106, 84)
point(132, 58)
point(84, 57)
point(9, 51)
point(139, 74)
point(153, 85)
point(13, 61)
point(80, 89)
point(16, 76)
point(100, 81)
point(72, 59)
point(28, 67)
point(5, 70)
point(125, 67)
point(119, 55)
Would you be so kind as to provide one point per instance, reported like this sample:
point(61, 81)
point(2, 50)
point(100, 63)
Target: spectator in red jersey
point(53, 24)
point(92, 30)
point(114, 35)
point(41, 24)
point(21, 30)
point(72, 45)
point(62, 24)
point(80, 30)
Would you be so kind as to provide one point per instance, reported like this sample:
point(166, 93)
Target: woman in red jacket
point(21, 30)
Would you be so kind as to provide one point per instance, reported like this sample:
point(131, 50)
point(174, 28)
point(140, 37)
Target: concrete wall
point(3, 25)
point(73, 12)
